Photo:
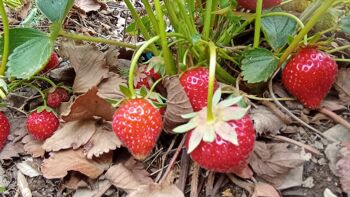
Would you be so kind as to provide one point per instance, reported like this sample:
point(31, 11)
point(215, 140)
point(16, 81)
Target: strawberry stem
point(6, 35)
point(339, 49)
point(40, 92)
point(212, 67)
point(96, 39)
point(257, 23)
point(45, 79)
point(313, 20)
point(341, 60)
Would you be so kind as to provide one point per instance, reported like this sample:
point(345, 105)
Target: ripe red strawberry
point(4, 129)
point(143, 77)
point(55, 98)
point(53, 62)
point(42, 125)
point(223, 144)
point(195, 82)
point(309, 76)
point(137, 123)
point(251, 4)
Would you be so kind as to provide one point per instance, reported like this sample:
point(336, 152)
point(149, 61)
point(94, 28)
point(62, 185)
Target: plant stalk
point(207, 19)
point(6, 35)
point(212, 67)
point(257, 23)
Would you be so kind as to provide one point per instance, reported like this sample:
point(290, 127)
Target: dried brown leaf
point(177, 104)
point(59, 163)
point(89, 64)
point(18, 127)
point(87, 106)
point(109, 88)
point(342, 85)
point(342, 168)
point(23, 185)
point(264, 189)
point(33, 147)
point(11, 150)
point(87, 5)
point(28, 168)
point(102, 141)
point(157, 190)
point(128, 176)
point(74, 181)
point(71, 135)
point(99, 188)
point(273, 161)
point(266, 122)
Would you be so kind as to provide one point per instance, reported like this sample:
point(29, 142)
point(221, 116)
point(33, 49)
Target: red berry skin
point(143, 82)
point(42, 125)
point(225, 157)
point(195, 83)
point(138, 124)
point(53, 62)
point(4, 130)
point(55, 98)
point(251, 4)
point(309, 76)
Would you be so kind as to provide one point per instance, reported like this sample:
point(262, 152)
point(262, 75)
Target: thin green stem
point(339, 49)
point(44, 79)
point(170, 67)
point(207, 19)
point(257, 23)
point(6, 36)
point(313, 20)
point(134, 61)
point(40, 92)
point(96, 39)
point(341, 60)
point(211, 84)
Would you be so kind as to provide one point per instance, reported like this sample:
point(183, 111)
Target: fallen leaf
point(87, 106)
point(33, 147)
point(109, 88)
point(266, 122)
point(342, 168)
point(333, 104)
point(338, 133)
point(103, 141)
point(128, 176)
point(342, 85)
point(245, 173)
point(293, 179)
point(74, 181)
point(18, 127)
point(59, 163)
point(100, 188)
point(71, 135)
point(28, 168)
point(177, 104)
point(264, 189)
point(272, 162)
point(23, 185)
point(332, 154)
point(328, 193)
point(4, 180)
point(89, 64)
point(24, 10)
point(157, 190)
point(87, 5)
point(11, 150)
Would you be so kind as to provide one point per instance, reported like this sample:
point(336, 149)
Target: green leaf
point(258, 65)
point(125, 90)
point(345, 24)
point(19, 36)
point(132, 29)
point(277, 29)
point(55, 10)
point(3, 85)
point(29, 58)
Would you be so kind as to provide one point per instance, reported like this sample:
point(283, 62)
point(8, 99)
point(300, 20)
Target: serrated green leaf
point(277, 29)
point(29, 58)
point(345, 24)
point(19, 36)
point(55, 10)
point(258, 65)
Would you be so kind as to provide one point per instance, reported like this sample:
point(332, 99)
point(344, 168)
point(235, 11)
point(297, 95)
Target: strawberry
point(53, 63)
point(4, 129)
point(137, 123)
point(42, 124)
point(195, 83)
point(223, 144)
point(145, 77)
point(55, 98)
point(309, 76)
point(251, 4)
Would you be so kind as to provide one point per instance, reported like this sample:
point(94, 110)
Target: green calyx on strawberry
point(195, 83)
point(138, 124)
point(251, 4)
point(309, 75)
point(52, 63)
point(42, 123)
point(4, 130)
point(224, 144)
